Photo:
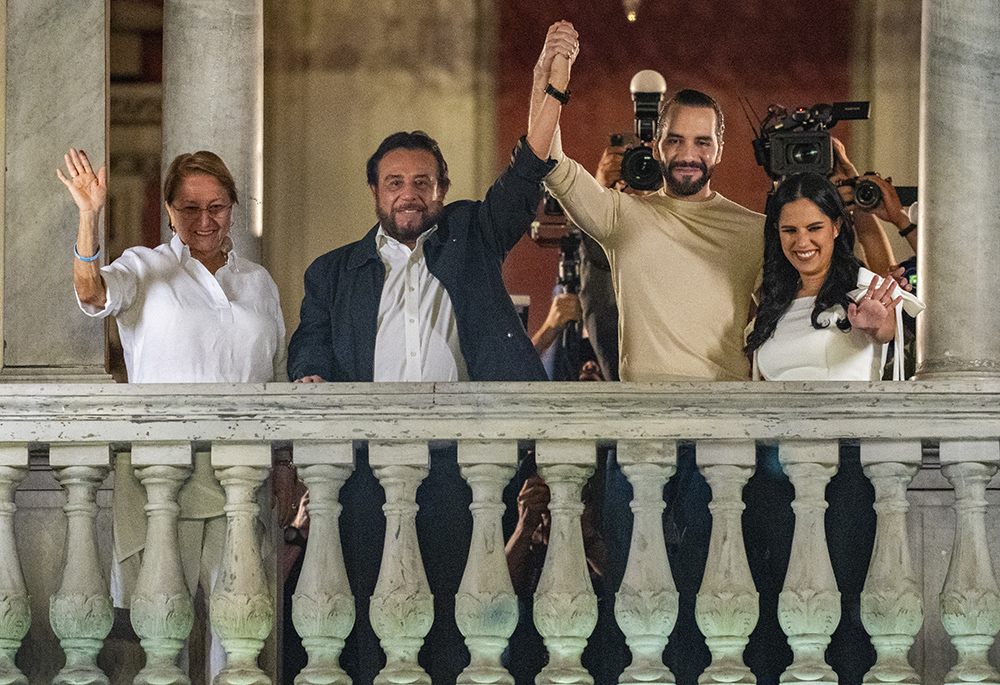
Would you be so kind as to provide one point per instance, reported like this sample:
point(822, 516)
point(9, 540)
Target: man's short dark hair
point(418, 140)
point(693, 98)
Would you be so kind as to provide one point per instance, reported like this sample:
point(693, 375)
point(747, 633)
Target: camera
point(799, 141)
point(867, 194)
point(640, 170)
point(569, 262)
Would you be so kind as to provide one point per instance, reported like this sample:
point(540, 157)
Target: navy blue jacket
point(338, 321)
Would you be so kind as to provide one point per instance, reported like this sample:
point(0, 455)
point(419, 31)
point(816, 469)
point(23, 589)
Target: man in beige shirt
point(685, 260)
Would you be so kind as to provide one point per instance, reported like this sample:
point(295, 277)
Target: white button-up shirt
point(417, 338)
point(181, 324)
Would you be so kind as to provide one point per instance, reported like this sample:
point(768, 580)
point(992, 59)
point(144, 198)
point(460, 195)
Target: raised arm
point(89, 191)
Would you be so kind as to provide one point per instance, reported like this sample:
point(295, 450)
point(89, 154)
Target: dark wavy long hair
point(781, 281)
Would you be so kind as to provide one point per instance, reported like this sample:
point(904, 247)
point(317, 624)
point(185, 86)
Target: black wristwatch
point(294, 536)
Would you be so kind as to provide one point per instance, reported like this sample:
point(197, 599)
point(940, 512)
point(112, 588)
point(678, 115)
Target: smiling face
point(201, 214)
point(689, 150)
point(408, 197)
point(807, 240)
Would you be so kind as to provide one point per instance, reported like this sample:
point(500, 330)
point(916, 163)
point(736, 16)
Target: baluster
point(162, 610)
point(727, 606)
point(646, 602)
point(891, 603)
point(565, 603)
point(970, 599)
point(322, 606)
point(402, 606)
point(809, 603)
point(242, 611)
point(15, 611)
point(80, 612)
point(486, 606)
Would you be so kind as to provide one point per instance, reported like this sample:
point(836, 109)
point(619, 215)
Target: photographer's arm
point(565, 308)
point(875, 243)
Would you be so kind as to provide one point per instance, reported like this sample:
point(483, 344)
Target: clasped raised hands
point(561, 40)
point(89, 190)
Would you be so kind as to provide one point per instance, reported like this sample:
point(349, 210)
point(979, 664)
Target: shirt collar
point(183, 252)
point(383, 239)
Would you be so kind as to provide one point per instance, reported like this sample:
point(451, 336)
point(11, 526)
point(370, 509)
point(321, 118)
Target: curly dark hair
point(782, 281)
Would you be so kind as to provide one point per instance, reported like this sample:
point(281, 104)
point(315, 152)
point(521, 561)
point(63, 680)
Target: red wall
point(795, 54)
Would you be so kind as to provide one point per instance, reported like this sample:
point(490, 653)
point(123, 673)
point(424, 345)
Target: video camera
point(799, 141)
point(640, 170)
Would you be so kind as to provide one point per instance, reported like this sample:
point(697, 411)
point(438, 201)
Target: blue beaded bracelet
point(86, 259)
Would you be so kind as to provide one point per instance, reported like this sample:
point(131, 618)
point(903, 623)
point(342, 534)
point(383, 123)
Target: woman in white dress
point(821, 315)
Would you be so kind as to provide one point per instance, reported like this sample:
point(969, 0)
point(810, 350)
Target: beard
point(686, 188)
point(410, 232)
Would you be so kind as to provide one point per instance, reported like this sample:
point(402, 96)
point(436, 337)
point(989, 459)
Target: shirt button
point(413, 354)
point(509, 334)
point(412, 288)
point(413, 320)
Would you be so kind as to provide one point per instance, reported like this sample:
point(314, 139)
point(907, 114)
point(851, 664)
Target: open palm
point(89, 190)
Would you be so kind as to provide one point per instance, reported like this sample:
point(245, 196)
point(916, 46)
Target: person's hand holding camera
point(609, 169)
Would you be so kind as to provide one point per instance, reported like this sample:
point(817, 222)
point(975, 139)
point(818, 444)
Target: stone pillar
point(565, 603)
point(891, 603)
point(162, 608)
point(322, 606)
point(970, 598)
point(242, 611)
point(213, 98)
point(15, 611)
point(402, 606)
point(54, 97)
point(80, 612)
point(809, 603)
point(959, 207)
point(486, 606)
point(646, 603)
point(727, 605)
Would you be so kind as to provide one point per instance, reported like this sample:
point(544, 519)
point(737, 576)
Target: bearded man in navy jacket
point(421, 298)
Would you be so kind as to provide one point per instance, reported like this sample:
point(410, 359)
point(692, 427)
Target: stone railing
point(81, 424)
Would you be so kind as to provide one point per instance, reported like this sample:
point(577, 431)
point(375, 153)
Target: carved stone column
point(322, 606)
point(809, 603)
point(15, 611)
point(565, 603)
point(959, 207)
point(970, 599)
point(727, 607)
point(891, 603)
point(162, 609)
point(486, 606)
point(402, 606)
point(213, 98)
point(80, 612)
point(646, 602)
point(242, 612)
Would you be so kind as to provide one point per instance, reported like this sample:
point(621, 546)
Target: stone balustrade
point(80, 426)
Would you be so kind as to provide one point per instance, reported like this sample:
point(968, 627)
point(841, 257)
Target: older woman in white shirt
point(188, 311)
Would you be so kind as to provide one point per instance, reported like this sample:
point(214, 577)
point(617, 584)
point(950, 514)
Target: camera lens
point(803, 153)
point(867, 195)
point(640, 170)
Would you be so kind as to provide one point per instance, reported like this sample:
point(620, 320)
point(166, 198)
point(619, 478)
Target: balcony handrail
point(40, 413)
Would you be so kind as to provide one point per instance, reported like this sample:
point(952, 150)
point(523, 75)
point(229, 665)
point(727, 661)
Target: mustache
point(691, 165)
